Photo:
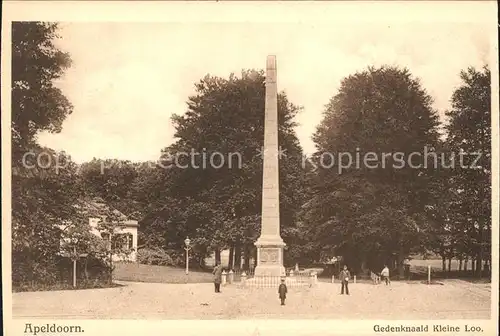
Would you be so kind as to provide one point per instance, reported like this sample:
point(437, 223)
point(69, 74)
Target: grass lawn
point(158, 274)
point(418, 269)
point(436, 264)
point(165, 274)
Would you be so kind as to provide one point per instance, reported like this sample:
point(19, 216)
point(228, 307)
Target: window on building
point(130, 241)
point(123, 241)
point(105, 236)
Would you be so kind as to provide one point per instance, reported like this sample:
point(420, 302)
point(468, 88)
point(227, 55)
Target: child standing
point(282, 290)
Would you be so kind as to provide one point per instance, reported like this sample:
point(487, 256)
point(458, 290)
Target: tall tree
point(43, 197)
point(469, 131)
point(368, 204)
point(113, 181)
point(43, 181)
point(37, 104)
point(225, 119)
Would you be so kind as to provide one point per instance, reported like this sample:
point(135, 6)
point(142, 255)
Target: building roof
point(97, 208)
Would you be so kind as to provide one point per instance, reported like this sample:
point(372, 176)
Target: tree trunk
point(449, 265)
point(217, 256)
point(110, 268)
point(480, 253)
point(443, 260)
point(466, 264)
point(85, 269)
point(460, 262)
point(487, 240)
point(246, 265)
point(230, 262)
point(237, 256)
point(487, 268)
point(401, 268)
point(254, 258)
point(201, 262)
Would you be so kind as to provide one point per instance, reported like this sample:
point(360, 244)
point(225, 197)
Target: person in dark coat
point(344, 277)
point(217, 272)
point(282, 290)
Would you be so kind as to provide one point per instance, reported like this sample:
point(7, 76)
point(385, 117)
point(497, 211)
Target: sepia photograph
point(251, 169)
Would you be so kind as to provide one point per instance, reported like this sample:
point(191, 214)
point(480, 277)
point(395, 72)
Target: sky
point(127, 79)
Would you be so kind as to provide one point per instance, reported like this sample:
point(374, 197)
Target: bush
point(154, 256)
point(28, 270)
point(90, 270)
point(58, 274)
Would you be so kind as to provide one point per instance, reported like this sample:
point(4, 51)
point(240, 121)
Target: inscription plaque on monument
point(269, 255)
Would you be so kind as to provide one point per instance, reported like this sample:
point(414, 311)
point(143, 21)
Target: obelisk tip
point(271, 62)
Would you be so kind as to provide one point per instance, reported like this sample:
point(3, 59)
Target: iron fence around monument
point(292, 279)
point(248, 272)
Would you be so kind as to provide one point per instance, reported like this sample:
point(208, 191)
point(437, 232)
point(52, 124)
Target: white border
point(275, 12)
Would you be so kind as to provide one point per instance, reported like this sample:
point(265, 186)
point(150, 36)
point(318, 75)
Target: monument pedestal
point(269, 257)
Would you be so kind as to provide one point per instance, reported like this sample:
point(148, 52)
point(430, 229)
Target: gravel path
point(454, 300)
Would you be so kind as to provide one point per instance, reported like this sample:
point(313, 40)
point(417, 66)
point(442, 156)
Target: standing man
point(217, 272)
point(385, 275)
point(345, 276)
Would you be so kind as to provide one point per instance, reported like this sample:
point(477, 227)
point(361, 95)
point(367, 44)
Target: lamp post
point(187, 241)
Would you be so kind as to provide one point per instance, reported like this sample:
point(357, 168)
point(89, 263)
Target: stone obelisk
point(270, 245)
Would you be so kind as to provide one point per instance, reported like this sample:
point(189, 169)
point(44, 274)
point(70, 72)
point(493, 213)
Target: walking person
point(217, 272)
point(282, 290)
point(385, 275)
point(345, 276)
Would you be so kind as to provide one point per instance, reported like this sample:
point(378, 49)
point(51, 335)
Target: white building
point(95, 210)
point(128, 228)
